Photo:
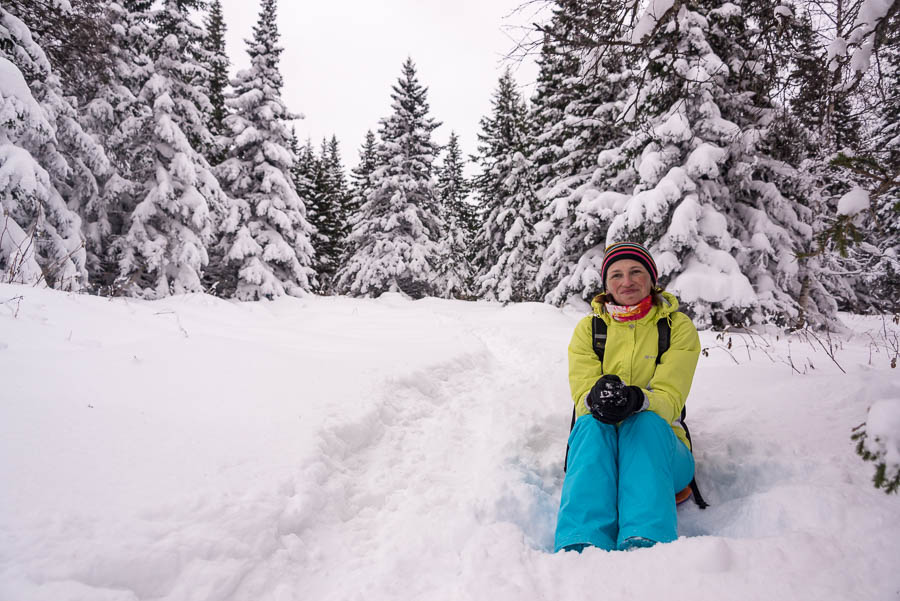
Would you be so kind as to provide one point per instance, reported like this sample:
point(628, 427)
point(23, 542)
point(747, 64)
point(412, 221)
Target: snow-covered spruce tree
point(75, 36)
point(801, 136)
point(304, 167)
point(572, 222)
point(359, 188)
point(866, 227)
point(359, 177)
point(818, 99)
point(886, 205)
point(454, 189)
point(724, 235)
point(79, 37)
point(114, 115)
point(461, 219)
point(395, 244)
point(552, 132)
point(558, 84)
point(505, 257)
point(164, 248)
point(326, 211)
point(40, 237)
point(341, 189)
point(217, 64)
point(858, 235)
point(265, 249)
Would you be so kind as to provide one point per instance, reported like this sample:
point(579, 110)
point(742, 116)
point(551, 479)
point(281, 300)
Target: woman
point(628, 454)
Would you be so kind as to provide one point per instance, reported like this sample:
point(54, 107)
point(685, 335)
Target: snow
point(784, 10)
point(333, 448)
point(704, 161)
point(861, 37)
point(853, 202)
point(17, 247)
point(883, 430)
point(12, 84)
point(675, 129)
point(713, 276)
point(652, 14)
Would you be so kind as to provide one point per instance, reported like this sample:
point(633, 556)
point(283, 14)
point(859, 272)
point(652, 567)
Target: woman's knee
point(646, 432)
point(644, 422)
point(588, 429)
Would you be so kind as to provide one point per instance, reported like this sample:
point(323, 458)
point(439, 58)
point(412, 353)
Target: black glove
point(611, 401)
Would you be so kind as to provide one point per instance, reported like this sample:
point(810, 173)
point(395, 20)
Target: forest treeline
point(753, 146)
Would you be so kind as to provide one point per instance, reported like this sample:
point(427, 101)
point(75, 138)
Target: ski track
point(451, 474)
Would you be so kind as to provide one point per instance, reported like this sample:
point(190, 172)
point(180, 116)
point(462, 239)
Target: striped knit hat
point(628, 250)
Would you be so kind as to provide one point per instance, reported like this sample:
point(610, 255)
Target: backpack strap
point(598, 336)
point(695, 489)
point(664, 335)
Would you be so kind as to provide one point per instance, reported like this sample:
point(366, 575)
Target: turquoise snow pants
point(621, 483)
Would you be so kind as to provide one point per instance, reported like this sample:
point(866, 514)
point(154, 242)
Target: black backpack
point(598, 335)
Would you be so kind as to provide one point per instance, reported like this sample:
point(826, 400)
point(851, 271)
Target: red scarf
point(630, 312)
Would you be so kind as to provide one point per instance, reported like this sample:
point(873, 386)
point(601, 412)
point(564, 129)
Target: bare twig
point(18, 300)
point(830, 350)
point(177, 320)
point(790, 359)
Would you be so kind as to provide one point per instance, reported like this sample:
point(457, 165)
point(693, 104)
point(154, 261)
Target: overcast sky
point(341, 58)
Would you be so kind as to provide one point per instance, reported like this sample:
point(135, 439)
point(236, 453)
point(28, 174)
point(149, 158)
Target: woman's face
point(628, 281)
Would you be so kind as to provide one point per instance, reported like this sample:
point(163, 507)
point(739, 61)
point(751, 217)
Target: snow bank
point(341, 449)
point(883, 429)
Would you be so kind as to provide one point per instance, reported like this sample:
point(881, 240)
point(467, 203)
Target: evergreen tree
point(217, 65)
point(75, 37)
point(113, 116)
point(178, 47)
point(558, 84)
point(327, 210)
point(809, 102)
point(825, 111)
point(164, 247)
point(40, 238)
point(708, 199)
point(454, 189)
point(395, 244)
point(341, 189)
point(461, 220)
point(359, 176)
point(305, 166)
point(74, 75)
point(265, 250)
point(864, 220)
point(505, 246)
point(581, 104)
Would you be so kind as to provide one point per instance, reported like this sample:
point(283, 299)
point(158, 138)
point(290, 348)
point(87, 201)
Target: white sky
point(341, 58)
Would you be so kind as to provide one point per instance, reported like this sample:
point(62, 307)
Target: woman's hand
point(610, 400)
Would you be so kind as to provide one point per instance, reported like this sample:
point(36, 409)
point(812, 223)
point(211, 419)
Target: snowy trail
point(358, 449)
point(422, 474)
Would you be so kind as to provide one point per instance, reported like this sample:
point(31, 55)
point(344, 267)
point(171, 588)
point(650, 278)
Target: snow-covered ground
point(341, 449)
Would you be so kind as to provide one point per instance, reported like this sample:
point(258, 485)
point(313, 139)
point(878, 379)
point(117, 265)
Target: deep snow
point(332, 448)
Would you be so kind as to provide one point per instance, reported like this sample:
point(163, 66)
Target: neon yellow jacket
point(630, 353)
